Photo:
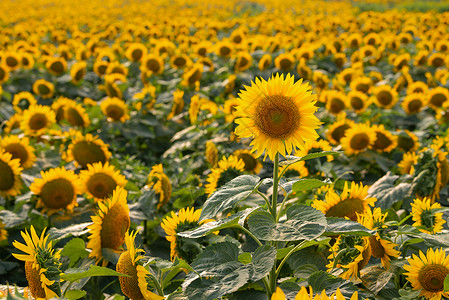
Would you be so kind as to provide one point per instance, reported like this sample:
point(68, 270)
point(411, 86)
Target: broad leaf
point(308, 184)
point(339, 226)
point(74, 250)
point(388, 192)
point(375, 278)
point(323, 281)
point(293, 159)
point(76, 274)
point(74, 230)
point(74, 294)
point(263, 260)
point(228, 195)
point(446, 283)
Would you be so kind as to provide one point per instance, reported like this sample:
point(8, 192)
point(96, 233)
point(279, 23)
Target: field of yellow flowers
point(214, 149)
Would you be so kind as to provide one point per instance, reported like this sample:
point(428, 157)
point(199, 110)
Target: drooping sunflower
point(185, 219)
point(338, 130)
point(211, 153)
point(43, 88)
point(19, 148)
point(41, 264)
point(111, 223)
point(100, 67)
point(427, 273)
point(348, 204)
point(265, 62)
point(192, 76)
point(228, 169)
point(358, 101)
point(430, 221)
point(86, 150)
point(57, 190)
point(23, 100)
point(130, 263)
point(76, 114)
point(111, 84)
point(413, 103)
point(252, 164)
point(160, 183)
point(100, 180)
point(115, 109)
point(385, 141)
point(229, 109)
point(406, 165)
point(178, 104)
point(357, 139)
point(278, 114)
point(37, 119)
point(77, 71)
point(243, 61)
point(336, 102)
point(10, 171)
point(385, 96)
point(437, 97)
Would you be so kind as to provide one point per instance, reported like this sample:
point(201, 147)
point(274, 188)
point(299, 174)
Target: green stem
point(274, 201)
point(107, 285)
point(67, 288)
point(282, 207)
point(158, 286)
point(266, 199)
point(250, 234)
point(267, 287)
point(288, 255)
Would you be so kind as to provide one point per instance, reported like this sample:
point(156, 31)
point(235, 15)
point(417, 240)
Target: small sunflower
point(437, 97)
point(348, 204)
point(419, 87)
point(111, 85)
point(229, 109)
point(436, 60)
point(10, 171)
point(130, 263)
point(43, 88)
point(407, 141)
point(303, 294)
point(336, 102)
point(100, 180)
point(4, 73)
point(77, 71)
point(3, 232)
point(320, 80)
point(385, 141)
point(185, 219)
point(115, 109)
point(76, 114)
point(23, 100)
point(278, 114)
point(19, 148)
point(59, 105)
point(56, 65)
point(406, 165)
point(11, 60)
point(243, 61)
point(285, 61)
point(57, 190)
point(228, 169)
point(100, 67)
point(358, 101)
point(427, 273)
point(178, 104)
point(303, 70)
point(357, 139)
point(413, 103)
point(224, 48)
point(192, 76)
point(111, 223)
point(153, 63)
point(313, 166)
point(160, 183)
point(211, 153)
point(180, 61)
point(37, 119)
point(265, 62)
point(252, 164)
point(295, 170)
point(194, 109)
point(337, 131)
point(385, 96)
point(429, 221)
point(362, 84)
point(41, 264)
point(136, 52)
point(86, 150)
point(13, 122)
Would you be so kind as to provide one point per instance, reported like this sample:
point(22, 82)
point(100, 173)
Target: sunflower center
point(43, 89)
point(114, 226)
point(377, 250)
point(285, 64)
point(179, 61)
point(227, 175)
point(34, 280)
point(129, 285)
point(194, 77)
point(405, 142)
point(88, 153)
point(38, 121)
point(414, 105)
point(57, 67)
point(12, 62)
point(7, 176)
point(438, 99)
point(384, 97)
point(437, 62)
point(101, 185)
point(202, 51)
point(225, 51)
point(57, 193)
point(347, 208)
point(337, 105)
point(74, 117)
point(277, 117)
point(356, 103)
point(359, 141)
point(153, 65)
point(79, 75)
point(114, 112)
point(137, 54)
point(382, 141)
point(249, 160)
point(17, 151)
point(362, 87)
point(339, 132)
point(243, 62)
point(431, 277)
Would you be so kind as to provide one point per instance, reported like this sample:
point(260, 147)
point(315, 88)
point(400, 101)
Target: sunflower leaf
point(321, 280)
point(293, 159)
point(446, 283)
point(74, 230)
point(338, 226)
point(227, 196)
point(388, 191)
point(74, 250)
point(74, 294)
point(308, 184)
point(75, 274)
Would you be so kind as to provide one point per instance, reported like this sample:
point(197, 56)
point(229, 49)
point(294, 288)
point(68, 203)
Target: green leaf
point(177, 266)
point(74, 250)
point(75, 274)
point(308, 184)
point(388, 191)
point(245, 258)
point(323, 281)
point(263, 260)
point(375, 278)
point(210, 227)
point(74, 294)
point(228, 195)
point(446, 283)
point(303, 222)
point(339, 226)
point(292, 159)
point(74, 230)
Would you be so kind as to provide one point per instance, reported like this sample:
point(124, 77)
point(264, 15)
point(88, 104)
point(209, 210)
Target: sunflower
point(153, 63)
point(436, 60)
point(338, 130)
point(284, 61)
point(192, 77)
point(385, 96)
point(194, 109)
point(303, 294)
point(111, 223)
point(160, 183)
point(346, 76)
point(41, 264)
point(59, 105)
point(336, 102)
point(427, 273)
point(228, 169)
point(19, 148)
point(117, 68)
point(303, 70)
point(421, 58)
point(348, 204)
point(358, 101)
point(417, 87)
point(429, 222)
point(100, 180)
point(178, 104)
point(77, 71)
point(265, 62)
point(202, 48)
point(406, 165)
point(37, 119)
point(115, 109)
point(407, 141)
point(130, 263)
point(278, 114)
point(243, 61)
point(413, 103)
point(229, 84)
point(100, 67)
point(358, 138)
point(11, 60)
point(229, 109)
point(224, 48)
point(295, 170)
point(361, 84)
point(320, 80)
point(86, 150)
point(57, 190)
point(185, 219)
point(252, 164)
point(43, 88)
point(136, 52)
point(3, 232)
point(401, 61)
point(76, 114)
point(10, 171)
point(13, 122)
point(207, 63)
point(351, 254)
point(111, 86)
point(211, 153)
point(23, 100)
point(385, 141)
point(4, 73)
point(437, 97)
point(56, 65)
point(180, 61)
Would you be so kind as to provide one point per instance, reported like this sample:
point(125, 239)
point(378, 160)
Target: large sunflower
point(131, 264)
point(110, 225)
point(41, 264)
point(160, 183)
point(278, 114)
point(358, 138)
point(10, 170)
point(425, 217)
point(86, 150)
point(57, 190)
point(427, 273)
point(228, 169)
point(37, 119)
point(348, 204)
point(19, 148)
point(100, 180)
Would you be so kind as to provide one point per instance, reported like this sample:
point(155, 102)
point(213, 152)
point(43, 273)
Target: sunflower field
point(185, 149)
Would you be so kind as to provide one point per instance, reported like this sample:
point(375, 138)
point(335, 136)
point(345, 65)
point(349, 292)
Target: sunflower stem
point(266, 199)
point(282, 207)
point(288, 255)
point(250, 234)
point(274, 200)
point(158, 286)
point(107, 285)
